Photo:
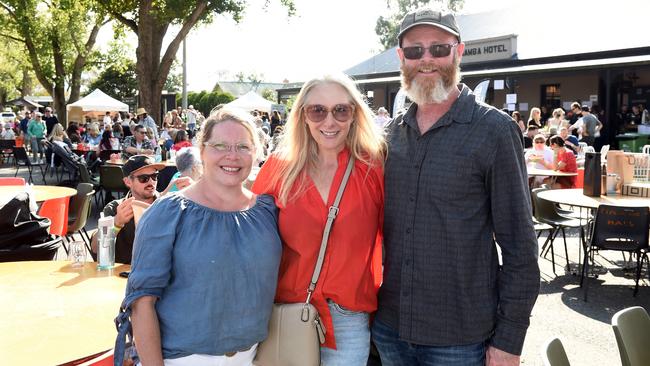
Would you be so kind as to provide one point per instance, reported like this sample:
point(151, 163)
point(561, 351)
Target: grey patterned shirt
point(452, 193)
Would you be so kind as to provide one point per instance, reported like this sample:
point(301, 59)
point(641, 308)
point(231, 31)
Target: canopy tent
point(251, 101)
point(98, 101)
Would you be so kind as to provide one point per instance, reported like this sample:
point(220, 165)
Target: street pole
point(184, 75)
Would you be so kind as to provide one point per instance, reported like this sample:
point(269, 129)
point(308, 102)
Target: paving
point(583, 327)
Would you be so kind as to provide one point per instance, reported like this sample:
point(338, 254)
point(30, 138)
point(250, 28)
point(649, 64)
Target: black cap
point(585, 108)
point(137, 162)
point(428, 16)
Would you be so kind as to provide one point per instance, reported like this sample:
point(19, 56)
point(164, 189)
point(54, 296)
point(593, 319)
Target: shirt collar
point(461, 110)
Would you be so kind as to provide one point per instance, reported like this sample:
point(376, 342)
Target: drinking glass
point(77, 253)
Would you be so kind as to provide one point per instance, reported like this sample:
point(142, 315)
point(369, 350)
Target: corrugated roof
point(240, 88)
point(545, 29)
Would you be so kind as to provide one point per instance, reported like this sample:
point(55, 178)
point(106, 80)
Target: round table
point(42, 193)
point(575, 197)
point(549, 173)
point(55, 313)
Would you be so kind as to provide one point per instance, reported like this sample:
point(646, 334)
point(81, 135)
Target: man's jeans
point(352, 338)
point(394, 352)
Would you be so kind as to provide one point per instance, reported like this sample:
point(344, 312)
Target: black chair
point(545, 212)
point(110, 178)
point(22, 160)
point(85, 176)
point(69, 161)
point(618, 228)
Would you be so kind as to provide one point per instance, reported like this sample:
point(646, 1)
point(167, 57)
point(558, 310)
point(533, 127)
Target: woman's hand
point(146, 331)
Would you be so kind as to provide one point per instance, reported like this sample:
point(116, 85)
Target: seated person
point(188, 163)
point(531, 131)
point(93, 137)
point(137, 144)
point(565, 161)
point(181, 140)
point(540, 156)
point(570, 141)
point(140, 175)
point(8, 133)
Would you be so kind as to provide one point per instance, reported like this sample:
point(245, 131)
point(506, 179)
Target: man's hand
point(124, 212)
point(497, 357)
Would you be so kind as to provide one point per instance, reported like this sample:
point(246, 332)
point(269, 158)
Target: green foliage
point(270, 94)
point(117, 81)
point(204, 101)
point(387, 27)
point(174, 82)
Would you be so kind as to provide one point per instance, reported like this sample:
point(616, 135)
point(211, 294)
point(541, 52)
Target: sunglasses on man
point(435, 50)
point(144, 178)
point(341, 112)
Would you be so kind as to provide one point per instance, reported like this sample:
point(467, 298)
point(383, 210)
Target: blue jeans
point(395, 352)
point(352, 338)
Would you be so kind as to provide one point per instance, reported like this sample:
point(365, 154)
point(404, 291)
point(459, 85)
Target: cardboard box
point(636, 189)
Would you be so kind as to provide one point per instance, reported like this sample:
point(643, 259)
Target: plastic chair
point(104, 358)
point(545, 212)
point(618, 228)
point(111, 180)
point(632, 330)
point(580, 180)
point(12, 181)
point(553, 354)
point(79, 211)
point(56, 210)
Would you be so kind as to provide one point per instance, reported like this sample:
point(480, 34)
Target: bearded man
point(455, 188)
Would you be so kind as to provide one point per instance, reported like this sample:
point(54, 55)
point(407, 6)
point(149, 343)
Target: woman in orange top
point(330, 123)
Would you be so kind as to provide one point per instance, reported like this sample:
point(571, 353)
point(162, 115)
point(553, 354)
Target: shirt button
point(407, 262)
point(411, 198)
point(408, 230)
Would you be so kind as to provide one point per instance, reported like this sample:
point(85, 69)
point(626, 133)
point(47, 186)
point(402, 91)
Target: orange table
point(42, 193)
point(53, 313)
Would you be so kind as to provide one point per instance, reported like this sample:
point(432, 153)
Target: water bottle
point(106, 242)
point(158, 156)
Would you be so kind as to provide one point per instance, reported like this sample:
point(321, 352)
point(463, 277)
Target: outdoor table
point(41, 192)
point(575, 197)
point(549, 173)
point(55, 313)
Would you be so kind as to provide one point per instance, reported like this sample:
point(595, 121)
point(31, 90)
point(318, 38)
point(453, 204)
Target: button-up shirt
point(451, 194)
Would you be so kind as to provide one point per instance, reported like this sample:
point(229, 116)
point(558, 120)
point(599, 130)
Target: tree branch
point(119, 17)
point(13, 38)
point(170, 54)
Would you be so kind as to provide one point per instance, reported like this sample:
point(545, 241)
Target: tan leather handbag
point(295, 330)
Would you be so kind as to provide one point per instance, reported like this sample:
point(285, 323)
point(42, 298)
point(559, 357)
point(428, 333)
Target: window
point(551, 96)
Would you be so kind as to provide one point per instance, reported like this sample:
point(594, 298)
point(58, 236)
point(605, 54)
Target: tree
point(270, 94)
point(59, 36)
point(150, 20)
point(118, 82)
point(387, 28)
point(174, 82)
point(13, 70)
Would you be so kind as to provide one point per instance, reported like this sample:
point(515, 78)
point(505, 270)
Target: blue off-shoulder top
point(214, 274)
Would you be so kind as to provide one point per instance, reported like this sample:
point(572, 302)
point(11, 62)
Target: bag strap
point(333, 211)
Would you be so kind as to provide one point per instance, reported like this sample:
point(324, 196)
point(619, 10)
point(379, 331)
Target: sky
point(323, 36)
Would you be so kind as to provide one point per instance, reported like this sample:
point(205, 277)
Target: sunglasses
point(436, 50)
point(341, 112)
point(144, 178)
point(539, 142)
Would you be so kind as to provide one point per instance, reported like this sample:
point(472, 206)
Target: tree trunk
point(58, 94)
point(153, 70)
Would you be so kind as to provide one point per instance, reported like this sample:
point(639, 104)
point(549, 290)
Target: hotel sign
point(490, 49)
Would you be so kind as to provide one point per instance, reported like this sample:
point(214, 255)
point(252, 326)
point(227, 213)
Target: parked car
point(7, 116)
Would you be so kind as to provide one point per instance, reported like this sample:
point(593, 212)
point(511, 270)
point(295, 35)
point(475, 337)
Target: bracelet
point(116, 229)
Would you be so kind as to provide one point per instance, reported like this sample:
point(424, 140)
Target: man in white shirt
point(190, 113)
point(8, 133)
point(382, 117)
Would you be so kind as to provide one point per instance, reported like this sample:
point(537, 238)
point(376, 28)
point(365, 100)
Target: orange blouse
point(351, 272)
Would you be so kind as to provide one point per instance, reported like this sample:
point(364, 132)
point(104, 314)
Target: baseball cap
point(428, 16)
point(137, 162)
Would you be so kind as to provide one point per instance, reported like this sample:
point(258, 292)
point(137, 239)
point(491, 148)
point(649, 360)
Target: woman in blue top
point(205, 261)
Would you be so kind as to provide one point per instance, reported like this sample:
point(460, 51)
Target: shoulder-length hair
point(298, 151)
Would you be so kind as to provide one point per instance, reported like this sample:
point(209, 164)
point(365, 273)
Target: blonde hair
point(58, 132)
point(534, 111)
point(298, 151)
point(225, 115)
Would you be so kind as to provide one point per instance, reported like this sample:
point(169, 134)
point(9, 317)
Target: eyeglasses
point(436, 50)
point(318, 112)
point(144, 178)
point(240, 148)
